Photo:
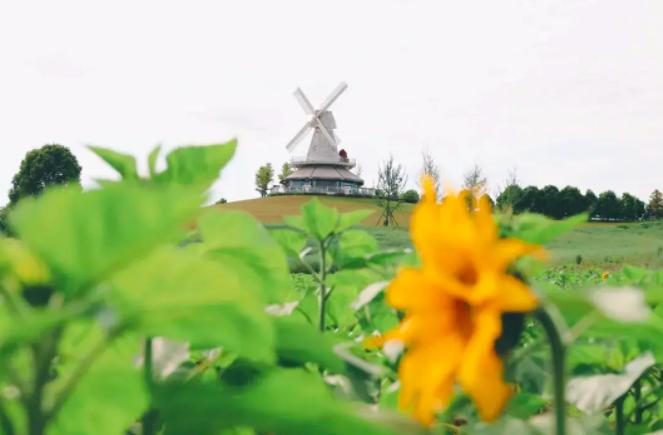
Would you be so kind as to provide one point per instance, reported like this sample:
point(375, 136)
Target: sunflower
point(453, 305)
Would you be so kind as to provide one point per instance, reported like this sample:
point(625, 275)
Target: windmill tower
point(324, 169)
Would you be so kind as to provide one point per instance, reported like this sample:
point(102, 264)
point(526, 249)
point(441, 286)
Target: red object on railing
point(343, 154)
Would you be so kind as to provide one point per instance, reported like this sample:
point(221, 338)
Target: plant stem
point(147, 361)
point(620, 421)
point(557, 352)
point(5, 423)
point(323, 287)
point(42, 356)
point(637, 395)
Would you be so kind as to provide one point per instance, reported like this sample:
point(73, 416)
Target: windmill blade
point(325, 132)
point(303, 101)
point(333, 96)
point(298, 137)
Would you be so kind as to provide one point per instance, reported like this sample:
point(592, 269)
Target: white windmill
point(324, 170)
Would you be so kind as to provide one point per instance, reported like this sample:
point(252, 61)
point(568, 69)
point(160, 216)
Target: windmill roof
point(325, 173)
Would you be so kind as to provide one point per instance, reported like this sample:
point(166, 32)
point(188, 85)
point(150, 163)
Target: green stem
point(5, 422)
point(637, 395)
point(620, 421)
point(147, 361)
point(323, 287)
point(557, 351)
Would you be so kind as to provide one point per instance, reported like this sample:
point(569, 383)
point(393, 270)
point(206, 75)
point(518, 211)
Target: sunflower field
point(133, 309)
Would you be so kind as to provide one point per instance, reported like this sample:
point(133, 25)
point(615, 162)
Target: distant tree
point(631, 208)
point(475, 183)
point(590, 202)
point(286, 171)
point(264, 177)
point(509, 197)
point(431, 169)
point(47, 166)
point(411, 196)
point(527, 200)
point(571, 202)
point(391, 182)
point(3, 220)
point(608, 206)
point(222, 201)
point(655, 206)
point(548, 202)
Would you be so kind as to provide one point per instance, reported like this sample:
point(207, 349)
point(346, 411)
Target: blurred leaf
point(299, 342)
point(152, 160)
point(83, 236)
point(625, 304)
point(354, 245)
point(368, 294)
point(290, 402)
point(197, 165)
point(292, 242)
point(111, 395)
point(178, 295)
point(318, 220)
point(352, 218)
point(124, 164)
point(538, 229)
point(595, 393)
point(525, 405)
point(239, 242)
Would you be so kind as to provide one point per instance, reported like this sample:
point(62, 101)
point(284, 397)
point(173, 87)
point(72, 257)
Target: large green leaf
point(319, 221)
point(84, 236)
point(291, 402)
point(177, 294)
point(239, 242)
point(110, 396)
point(299, 342)
point(538, 229)
point(124, 164)
point(196, 165)
point(352, 218)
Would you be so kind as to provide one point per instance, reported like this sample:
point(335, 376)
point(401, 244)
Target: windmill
point(325, 169)
point(324, 141)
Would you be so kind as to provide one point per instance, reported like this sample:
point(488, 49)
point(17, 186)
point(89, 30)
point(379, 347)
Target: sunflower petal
point(515, 296)
point(481, 370)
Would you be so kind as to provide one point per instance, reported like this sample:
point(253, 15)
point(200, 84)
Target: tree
point(509, 197)
point(286, 171)
point(607, 206)
point(431, 169)
point(547, 202)
point(631, 208)
point(3, 220)
point(475, 182)
point(655, 206)
point(391, 181)
point(43, 167)
point(571, 202)
point(526, 201)
point(411, 196)
point(264, 177)
point(590, 202)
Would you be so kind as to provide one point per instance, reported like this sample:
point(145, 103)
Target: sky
point(564, 92)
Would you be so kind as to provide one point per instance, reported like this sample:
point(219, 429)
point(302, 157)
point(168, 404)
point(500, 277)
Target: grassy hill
point(607, 245)
point(270, 210)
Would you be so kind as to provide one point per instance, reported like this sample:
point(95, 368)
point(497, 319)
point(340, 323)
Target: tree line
point(568, 201)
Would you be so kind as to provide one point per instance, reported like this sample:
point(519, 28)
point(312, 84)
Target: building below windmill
point(324, 170)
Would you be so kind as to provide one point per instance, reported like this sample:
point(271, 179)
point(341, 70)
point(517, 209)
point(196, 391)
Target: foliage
point(411, 196)
point(47, 166)
point(391, 182)
point(655, 206)
point(133, 309)
point(286, 171)
point(264, 177)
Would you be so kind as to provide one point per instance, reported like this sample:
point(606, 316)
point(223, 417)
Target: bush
point(411, 196)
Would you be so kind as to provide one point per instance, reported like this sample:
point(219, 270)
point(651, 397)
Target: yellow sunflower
point(453, 305)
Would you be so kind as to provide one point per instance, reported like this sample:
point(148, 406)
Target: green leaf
point(110, 396)
point(319, 221)
point(124, 164)
point(178, 294)
point(298, 342)
point(353, 248)
point(237, 240)
point(353, 218)
point(152, 160)
point(196, 164)
point(84, 236)
point(291, 402)
point(292, 242)
point(538, 229)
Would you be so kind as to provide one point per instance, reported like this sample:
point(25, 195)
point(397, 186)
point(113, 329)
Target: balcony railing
point(299, 160)
point(322, 190)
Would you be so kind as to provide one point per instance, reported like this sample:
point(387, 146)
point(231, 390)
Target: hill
point(271, 209)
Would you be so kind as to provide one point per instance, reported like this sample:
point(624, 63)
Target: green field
point(606, 245)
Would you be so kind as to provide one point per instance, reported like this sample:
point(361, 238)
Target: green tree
point(571, 202)
point(509, 197)
point(391, 182)
point(526, 201)
point(286, 171)
point(264, 177)
point(590, 202)
point(3, 220)
point(43, 167)
point(631, 207)
point(547, 202)
point(475, 182)
point(608, 206)
point(655, 206)
point(411, 196)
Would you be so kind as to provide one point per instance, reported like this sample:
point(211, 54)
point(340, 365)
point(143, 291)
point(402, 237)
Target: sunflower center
point(468, 275)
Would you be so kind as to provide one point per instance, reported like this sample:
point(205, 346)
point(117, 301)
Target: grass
point(605, 245)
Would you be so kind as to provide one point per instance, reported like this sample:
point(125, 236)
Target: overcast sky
point(568, 92)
